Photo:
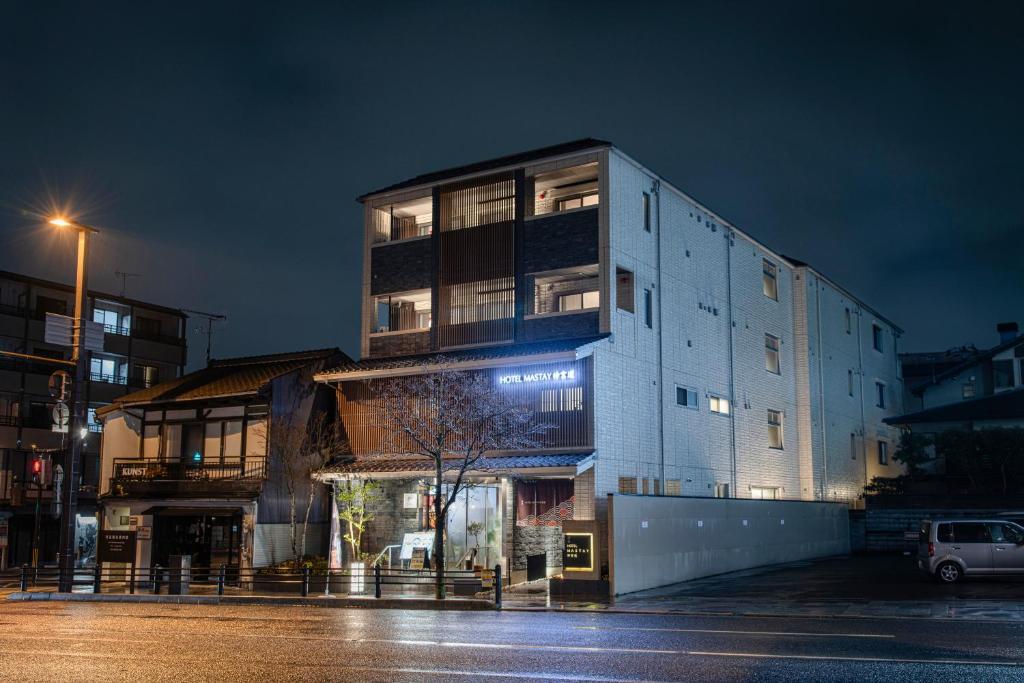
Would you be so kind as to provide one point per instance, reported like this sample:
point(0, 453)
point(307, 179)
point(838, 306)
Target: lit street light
point(68, 525)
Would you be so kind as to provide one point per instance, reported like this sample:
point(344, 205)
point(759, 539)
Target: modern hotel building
point(676, 355)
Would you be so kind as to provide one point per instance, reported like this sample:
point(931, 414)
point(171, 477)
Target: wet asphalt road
point(140, 642)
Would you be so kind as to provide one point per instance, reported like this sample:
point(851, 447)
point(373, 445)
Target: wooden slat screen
point(566, 404)
point(476, 284)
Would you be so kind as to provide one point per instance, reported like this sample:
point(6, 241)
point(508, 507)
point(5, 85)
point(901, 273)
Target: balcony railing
point(109, 379)
point(117, 329)
point(134, 469)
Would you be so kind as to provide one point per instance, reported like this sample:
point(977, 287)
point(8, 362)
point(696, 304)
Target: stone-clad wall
point(560, 240)
point(400, 344)
point(533, 540)
point(561, 326)
point(391, 520)
point(400, 267)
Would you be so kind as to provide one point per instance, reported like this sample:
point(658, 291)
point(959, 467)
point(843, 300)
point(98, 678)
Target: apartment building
point(677, 355)
point(144, 344)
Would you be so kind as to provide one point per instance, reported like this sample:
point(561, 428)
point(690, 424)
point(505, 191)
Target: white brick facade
point(709, 319)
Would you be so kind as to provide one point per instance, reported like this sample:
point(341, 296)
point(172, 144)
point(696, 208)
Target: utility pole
point(69, 523)
point(210, 319)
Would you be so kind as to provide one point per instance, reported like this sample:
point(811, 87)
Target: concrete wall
point(657, 541)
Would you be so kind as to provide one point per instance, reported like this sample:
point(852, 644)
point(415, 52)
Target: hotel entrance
point(210, 537)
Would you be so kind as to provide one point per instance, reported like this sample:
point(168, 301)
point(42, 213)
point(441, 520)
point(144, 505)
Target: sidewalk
point(416, 603)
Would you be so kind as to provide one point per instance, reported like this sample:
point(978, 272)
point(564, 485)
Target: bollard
point(305, 582)
point(24, 577)
point(376, 581)
point(157, 578)
point(131, 580)
point(497, 586)
point(221, 577)
point(97, 578)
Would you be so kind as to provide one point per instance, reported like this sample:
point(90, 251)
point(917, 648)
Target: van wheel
point(949, 572)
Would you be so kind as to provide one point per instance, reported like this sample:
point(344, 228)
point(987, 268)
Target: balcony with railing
point(139, 477)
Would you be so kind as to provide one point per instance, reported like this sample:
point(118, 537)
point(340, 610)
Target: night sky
point(221, 149)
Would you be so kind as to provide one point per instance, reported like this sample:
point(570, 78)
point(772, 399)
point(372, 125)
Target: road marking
point(841, 658)
point(545, 676)
point(746, 633)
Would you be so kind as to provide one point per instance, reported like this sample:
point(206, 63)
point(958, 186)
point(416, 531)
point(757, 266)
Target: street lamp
point(69, 525)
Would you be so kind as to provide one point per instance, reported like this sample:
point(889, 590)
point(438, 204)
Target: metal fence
point(306, 582)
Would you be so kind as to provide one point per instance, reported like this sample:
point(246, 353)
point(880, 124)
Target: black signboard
point(579, 552)
point(117, 546)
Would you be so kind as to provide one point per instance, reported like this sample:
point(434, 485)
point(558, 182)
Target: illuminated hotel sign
point(556, 376)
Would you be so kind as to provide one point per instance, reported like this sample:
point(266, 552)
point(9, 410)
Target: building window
point(849, 324)
point(402, 312)
point(92, 423)
point(687, 397)
point(403, 220)
point(563, 291)
point(721, 490)
point(880, 394)
point(967, 391)
point(112, 321)
point(146, 376)
point(624, 290)
point(565, 189)
point(770, 279)
point(853, 446)
point(109, 370)
point(627, 484)
point(876, 337)
point(647, 212)
point(771, 354)
point(47, 304)
point(673, 487)
point(147, 326)
point(719, 405)
point(775, 429)
point(1002, 374)
point(849, 382)
point(648, 308)
point(764, 492)
point(883, 452)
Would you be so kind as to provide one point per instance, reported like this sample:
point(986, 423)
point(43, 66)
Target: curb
point(764, 615)
point(455, 604)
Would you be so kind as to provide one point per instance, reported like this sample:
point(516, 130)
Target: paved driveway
point(863, 586)
point(873, 577)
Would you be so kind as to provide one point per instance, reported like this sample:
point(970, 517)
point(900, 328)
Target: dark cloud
point(222, 145)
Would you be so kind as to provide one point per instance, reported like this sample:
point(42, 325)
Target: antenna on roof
point(210, 319)
point(124, 278)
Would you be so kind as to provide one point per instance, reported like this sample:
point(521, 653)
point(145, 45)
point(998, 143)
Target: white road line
point(540, 676)
point(874, 660)
point(746, 633)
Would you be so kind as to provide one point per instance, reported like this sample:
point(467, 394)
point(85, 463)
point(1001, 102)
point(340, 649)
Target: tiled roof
point(500, 162)
point(979, 357)
point(227, 377)
point(1006, 405)
point(461, 356)
point(405, 463)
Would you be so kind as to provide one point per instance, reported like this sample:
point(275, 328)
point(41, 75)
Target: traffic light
point(37, 469)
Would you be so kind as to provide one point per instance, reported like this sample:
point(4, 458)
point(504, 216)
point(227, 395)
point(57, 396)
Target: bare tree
point(452, 418)
point(304, 442)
